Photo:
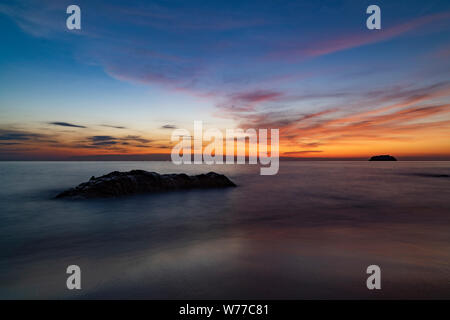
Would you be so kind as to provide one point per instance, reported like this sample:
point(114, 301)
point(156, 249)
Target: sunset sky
point(138, 69)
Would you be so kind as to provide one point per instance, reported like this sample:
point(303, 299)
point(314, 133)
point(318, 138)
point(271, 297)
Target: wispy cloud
point(301, 50)
point(101, 138)
point(66, 124)
point(168, 126)
point(114, 127)
point(257, 96)
point(109, 141)
point(19, 136)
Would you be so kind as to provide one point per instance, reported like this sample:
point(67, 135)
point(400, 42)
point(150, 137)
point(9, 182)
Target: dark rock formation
point(116, 184)
point(384, 157)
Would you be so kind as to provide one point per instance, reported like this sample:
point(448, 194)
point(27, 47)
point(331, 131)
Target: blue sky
point(294, 65)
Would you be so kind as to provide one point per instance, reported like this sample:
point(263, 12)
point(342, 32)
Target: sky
point(137, 70)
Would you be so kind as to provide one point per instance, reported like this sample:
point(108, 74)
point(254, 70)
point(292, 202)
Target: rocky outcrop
point(384, 157)
point(116, 184)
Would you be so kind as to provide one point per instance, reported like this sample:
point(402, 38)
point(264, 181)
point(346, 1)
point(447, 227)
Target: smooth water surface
point(308, 232)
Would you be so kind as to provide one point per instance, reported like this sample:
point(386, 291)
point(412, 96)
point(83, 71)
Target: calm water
point(308, 232)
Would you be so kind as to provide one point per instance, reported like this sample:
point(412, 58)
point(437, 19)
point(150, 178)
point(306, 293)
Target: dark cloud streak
point(66, 124)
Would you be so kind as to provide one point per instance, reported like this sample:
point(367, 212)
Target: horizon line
point(167, 157)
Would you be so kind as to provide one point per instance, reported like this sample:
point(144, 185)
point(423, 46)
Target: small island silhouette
point(383, 157)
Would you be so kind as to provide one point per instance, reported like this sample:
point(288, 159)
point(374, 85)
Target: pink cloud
point(302, 51)
point(257, 96)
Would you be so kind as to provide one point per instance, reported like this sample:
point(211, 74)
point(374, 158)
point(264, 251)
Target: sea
point(309, 232)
